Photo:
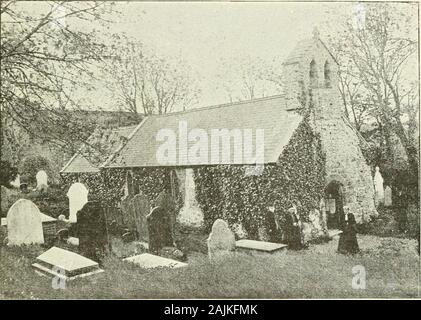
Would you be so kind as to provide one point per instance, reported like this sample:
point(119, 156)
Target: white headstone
point(388, 196)
point(24, 225)
point(221, 240)
point(378, 187)
point(78, 197)
point(190, 214)
point(42, 179)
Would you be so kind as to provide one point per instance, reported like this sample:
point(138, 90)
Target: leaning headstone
point(388, 196)
point(378, 187)
point(91, 230)
point(42, 180)
point(140, 208)
point(24, 225)
point(159, 229)
point(221, 240)
point(78, 196)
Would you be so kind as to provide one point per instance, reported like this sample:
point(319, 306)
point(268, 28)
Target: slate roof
point(268, 114)
point(80, 163)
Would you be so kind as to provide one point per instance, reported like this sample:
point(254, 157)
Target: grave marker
point(78, 196)
point(221, 240)
point(24, 225)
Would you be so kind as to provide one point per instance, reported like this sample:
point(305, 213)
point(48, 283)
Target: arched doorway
point(334, 201)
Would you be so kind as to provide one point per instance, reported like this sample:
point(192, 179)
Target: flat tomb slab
point(261, 246)
point(71, 264)
point(149, 261)
point(334, 232)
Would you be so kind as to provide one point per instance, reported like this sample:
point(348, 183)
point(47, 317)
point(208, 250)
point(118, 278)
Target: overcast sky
point(207, 34)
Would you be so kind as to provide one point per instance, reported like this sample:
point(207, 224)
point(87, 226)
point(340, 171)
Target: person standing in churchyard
point(293, 235)
point(348, 243)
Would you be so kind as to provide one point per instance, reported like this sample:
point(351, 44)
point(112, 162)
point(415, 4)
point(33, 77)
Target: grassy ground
point(391, 264)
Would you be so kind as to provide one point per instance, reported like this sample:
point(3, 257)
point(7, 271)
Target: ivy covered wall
point(299, 176)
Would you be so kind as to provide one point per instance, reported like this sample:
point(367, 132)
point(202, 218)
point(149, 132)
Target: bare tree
point(143, 82)
point(45, 56)
point(249, 78)
point(375, 51)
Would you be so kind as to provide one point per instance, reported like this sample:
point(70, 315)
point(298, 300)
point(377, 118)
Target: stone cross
point(221, 240)
point(78, 196)
point(388, 196)
point(42, 179)
point(378, 187)
point(24, 225)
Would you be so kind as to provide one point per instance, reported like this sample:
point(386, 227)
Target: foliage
point(46, 56)
point(31, 165)
point(8, 173)
point(227, 192)
point(376, 48)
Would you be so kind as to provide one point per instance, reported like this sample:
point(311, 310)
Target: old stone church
point(310, 78)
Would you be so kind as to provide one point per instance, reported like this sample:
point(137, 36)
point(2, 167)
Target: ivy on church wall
point(226, 192)
point(108, 185)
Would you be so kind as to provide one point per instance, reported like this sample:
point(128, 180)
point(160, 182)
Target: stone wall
point(345, 162)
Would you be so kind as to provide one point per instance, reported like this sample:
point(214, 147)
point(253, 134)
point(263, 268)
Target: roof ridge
point(217, 106)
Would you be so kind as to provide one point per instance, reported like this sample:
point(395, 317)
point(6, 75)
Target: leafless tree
point(144, 83)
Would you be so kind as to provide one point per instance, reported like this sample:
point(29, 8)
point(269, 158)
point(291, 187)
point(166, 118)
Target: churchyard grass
point(391, 266)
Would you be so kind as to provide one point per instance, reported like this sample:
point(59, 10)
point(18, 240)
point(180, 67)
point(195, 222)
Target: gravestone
point(91, 230)
point(378, 187)
point(150, 261)
point(42, 180)
point(167, 202)
point(78, 196)
point(159, 229)
point(24, 225)
point(140, 208)
point(134, 212)
point(388, 196)
point(221, 240)
point(65, 264)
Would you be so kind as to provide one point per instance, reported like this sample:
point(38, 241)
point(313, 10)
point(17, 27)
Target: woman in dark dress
point(293, 232)
point(348, 243)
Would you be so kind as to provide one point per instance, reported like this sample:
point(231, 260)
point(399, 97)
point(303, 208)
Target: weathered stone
point(159, 228)
point(221, 240)
point(42, 180)
point(78, 196)
point(24, 225)
point(150, 261)
point(135, 211)
point(91, 230)
point(259, 246)
point(190, 214)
